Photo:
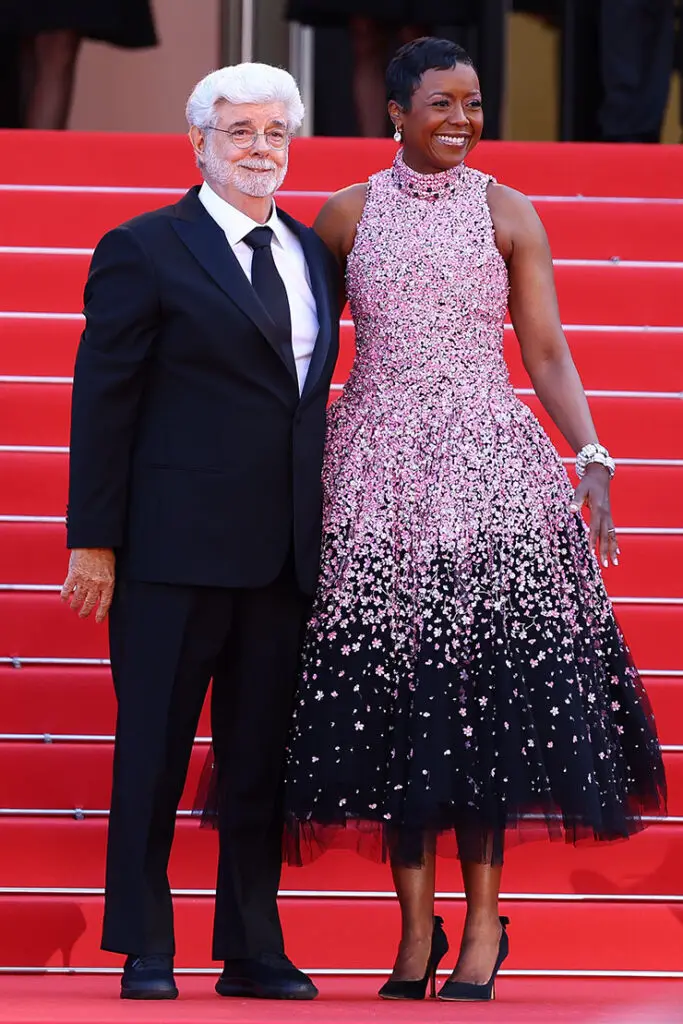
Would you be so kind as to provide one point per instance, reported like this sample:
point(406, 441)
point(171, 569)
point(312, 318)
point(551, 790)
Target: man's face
point(241, 151)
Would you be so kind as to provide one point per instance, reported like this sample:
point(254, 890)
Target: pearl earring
point(398, 135)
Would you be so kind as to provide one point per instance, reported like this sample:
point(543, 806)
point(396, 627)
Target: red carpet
point(619, 265)
point(73, 1000)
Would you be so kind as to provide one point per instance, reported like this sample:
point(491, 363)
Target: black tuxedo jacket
point(192, 453)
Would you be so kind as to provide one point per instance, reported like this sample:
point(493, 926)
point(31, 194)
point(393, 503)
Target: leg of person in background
point(10, 82)
point(660, 39)
point(53, 66)
point(370, 41)
point(637, 46)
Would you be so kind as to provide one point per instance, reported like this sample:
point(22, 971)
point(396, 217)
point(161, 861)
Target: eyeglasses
point(245, 138)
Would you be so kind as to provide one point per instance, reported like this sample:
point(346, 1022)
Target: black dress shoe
point(269, 976)
point(148, 977)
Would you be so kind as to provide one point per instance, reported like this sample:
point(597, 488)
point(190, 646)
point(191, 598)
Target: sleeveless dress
point(462, 677)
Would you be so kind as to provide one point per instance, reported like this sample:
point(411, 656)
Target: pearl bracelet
point(597, 453)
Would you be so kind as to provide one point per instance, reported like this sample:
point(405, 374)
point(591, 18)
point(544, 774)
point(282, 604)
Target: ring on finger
point(613, 530)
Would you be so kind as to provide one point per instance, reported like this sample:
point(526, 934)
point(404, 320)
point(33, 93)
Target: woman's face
point(445, 119)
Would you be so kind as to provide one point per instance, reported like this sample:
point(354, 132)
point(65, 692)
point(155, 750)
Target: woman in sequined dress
point(462, 672)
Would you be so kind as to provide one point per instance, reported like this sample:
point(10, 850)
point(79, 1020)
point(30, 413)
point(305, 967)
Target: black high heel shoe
point(458, 991)
point(417, 989)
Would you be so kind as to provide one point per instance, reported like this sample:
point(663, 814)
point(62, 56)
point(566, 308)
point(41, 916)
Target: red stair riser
point(62, 699)
point(648, 864)
point(587, 294)
point(79, 700)
point(576, 230)
point(358, 934)
point(39, 625)
point(650, 566)
point(606, 360)
point(35, 483)
point(65, 775)
point(536, 168)
point(38, 414)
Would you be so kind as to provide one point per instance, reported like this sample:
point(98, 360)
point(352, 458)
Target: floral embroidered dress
point(462, 670)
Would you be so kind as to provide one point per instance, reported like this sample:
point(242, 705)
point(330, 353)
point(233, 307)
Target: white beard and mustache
point(254, 176)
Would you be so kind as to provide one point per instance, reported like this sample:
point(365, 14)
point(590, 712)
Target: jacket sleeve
point(122, 317)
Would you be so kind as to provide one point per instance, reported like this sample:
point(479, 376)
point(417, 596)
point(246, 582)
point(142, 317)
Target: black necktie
point(271, 290)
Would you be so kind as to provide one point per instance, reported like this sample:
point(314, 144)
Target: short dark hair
point(409, 64)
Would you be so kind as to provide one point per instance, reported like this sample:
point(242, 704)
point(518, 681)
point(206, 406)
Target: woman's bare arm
point(545, 352)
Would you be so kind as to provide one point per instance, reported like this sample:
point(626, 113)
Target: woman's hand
point(593, 490)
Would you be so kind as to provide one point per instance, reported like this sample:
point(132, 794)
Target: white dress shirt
point(290, 261)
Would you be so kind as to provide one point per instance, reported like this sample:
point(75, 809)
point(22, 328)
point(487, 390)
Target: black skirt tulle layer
point(592, 773)
point(520, 780)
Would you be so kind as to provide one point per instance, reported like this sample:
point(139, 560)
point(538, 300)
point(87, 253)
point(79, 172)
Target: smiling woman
point(463, 680)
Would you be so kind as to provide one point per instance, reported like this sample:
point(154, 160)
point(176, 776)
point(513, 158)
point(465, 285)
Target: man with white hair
point(197, 432)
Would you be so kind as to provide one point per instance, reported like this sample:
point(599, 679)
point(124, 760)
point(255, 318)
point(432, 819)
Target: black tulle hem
point(467, 839)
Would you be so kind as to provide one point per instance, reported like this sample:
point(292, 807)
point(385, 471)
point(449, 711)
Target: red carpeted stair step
point(635, 360)
point(608, 230)
point(79, 700)
point(63, 699)
point(38, 625)
point(577, 229)
point(79, 999)
point(537, 168)
point(359, 934)
point(35, 483)
point(649, 864)
point(57, 699)
point(650, 566)
point(629, 427)
point(65, 774)
point(38, 414)
point(648, 360)
point(601, 293)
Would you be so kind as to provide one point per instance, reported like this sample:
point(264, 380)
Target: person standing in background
point(10, 89)
point(372, 25)
point(49, 35)
point(637, 56)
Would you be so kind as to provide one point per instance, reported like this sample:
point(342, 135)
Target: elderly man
point(197, 433)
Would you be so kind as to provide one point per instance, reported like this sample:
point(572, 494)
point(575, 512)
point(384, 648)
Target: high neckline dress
point(462, 677)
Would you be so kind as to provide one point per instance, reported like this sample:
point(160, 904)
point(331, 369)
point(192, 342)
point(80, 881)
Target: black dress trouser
point(637, 63)
point(167, 642)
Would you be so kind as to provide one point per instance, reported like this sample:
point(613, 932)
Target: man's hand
point(90, 581)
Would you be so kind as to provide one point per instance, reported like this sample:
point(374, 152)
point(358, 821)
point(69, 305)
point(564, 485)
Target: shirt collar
point(234, 223)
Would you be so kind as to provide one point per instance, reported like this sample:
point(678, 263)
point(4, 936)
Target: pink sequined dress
point(462, 670)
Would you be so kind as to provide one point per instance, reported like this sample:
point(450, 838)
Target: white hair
point(245, 83)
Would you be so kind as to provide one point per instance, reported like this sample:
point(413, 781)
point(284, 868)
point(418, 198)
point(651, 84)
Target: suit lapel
point(209, 246)
point(321, 294)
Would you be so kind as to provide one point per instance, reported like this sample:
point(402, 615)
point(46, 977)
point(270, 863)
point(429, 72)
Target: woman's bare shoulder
point(513, 207)
point(514, 217)
point(347, 203)
point(337, 221)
